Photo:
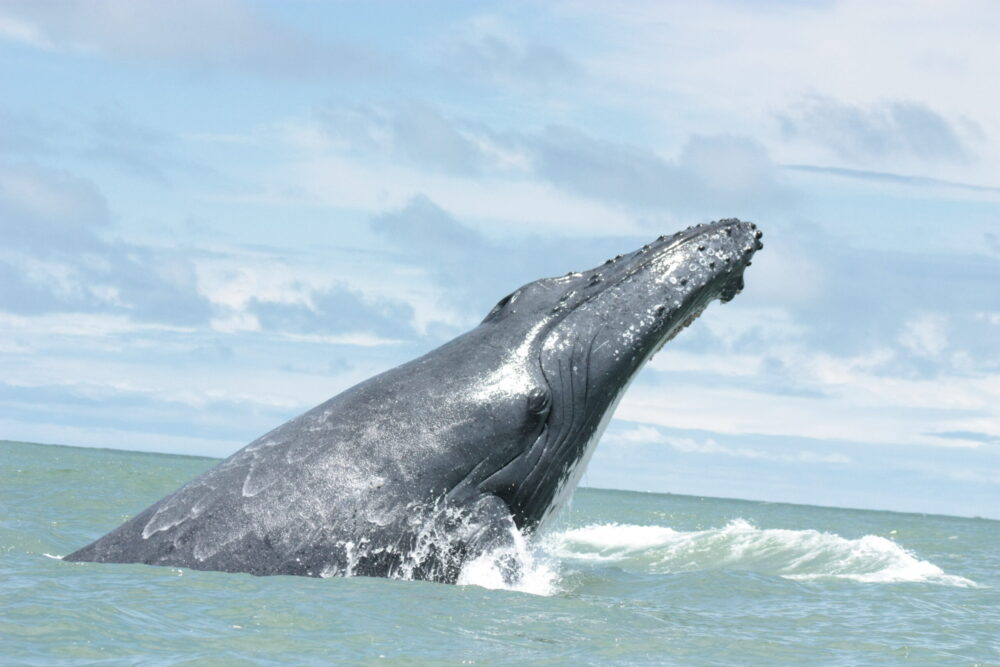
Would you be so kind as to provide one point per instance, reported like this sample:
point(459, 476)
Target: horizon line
point(589, 488)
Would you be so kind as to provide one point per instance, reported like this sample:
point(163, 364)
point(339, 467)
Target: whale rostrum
point(416, 471)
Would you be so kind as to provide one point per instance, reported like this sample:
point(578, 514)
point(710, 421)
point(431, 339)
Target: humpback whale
point(447, 458)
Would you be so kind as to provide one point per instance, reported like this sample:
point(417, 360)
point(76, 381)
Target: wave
point(538, 566)
point(739, 545)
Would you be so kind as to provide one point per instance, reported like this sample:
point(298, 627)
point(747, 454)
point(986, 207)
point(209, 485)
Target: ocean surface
point(625, 577)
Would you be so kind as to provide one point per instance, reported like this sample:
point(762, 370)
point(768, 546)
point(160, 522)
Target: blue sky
point(216, 215)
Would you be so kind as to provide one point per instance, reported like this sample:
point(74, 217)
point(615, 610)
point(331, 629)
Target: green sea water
point(624, 578)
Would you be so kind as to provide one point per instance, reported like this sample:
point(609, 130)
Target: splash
point(739, 545)
point(520, 567)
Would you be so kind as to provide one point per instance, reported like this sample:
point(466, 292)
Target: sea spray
point(521, 566)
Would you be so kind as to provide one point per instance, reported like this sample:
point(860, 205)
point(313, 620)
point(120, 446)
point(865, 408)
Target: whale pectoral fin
point(495, 543)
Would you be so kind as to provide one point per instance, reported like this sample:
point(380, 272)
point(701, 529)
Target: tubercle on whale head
point(704, 259)
point(591, 331)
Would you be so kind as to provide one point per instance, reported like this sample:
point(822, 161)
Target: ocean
point(623, 577)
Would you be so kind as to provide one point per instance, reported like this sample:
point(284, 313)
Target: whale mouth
point(731, 289)
point(734, 285)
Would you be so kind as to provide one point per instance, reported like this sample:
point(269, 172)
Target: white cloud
point(648, 435)
point(527, 205)
point(81, 325)
point(925, 335)
point(851, 399)
point(557, 178)
point(739, 63)
point(491, 50)
point(869, 134)
point(232, 277)
point(224, 34)
point(23, 31)
point(95, 436)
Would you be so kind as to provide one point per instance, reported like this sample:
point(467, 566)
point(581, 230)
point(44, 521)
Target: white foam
point(532, 571)
point(793, 554)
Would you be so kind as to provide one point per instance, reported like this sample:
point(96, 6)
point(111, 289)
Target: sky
point(215, 215)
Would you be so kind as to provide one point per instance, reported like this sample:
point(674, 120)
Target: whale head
point(583, 337)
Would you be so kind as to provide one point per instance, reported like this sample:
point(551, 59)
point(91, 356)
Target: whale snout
point(709, 259)
point(746, 240)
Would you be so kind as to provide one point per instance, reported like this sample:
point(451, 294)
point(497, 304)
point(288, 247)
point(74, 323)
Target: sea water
point(623, 577)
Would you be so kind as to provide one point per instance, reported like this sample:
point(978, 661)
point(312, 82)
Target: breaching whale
point(418, 470)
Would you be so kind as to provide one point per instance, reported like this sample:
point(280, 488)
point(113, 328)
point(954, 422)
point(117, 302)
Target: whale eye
point(539, 401)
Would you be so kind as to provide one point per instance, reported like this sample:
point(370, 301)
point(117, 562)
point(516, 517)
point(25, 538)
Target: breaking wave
point(739, 545)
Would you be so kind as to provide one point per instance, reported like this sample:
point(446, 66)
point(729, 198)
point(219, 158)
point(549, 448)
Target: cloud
point(135, 149)
point(223, 35)
point(968, 436)
point(719, 173)
point(23, 133)
point(141, 411)
point(992, 242)
point(863, 361)
point(847, 299)
point(473, 270)
point(425, 227)
point(765, 57)
point(891, 128)
point(55, 257)
point(859, 404)
point(880, 346)
point(874, 293)
point(890, 178)
point(43, 211)
point(573, 160)
point(415, 132)
point(22, 294)
point(645, 434)
point(491, 51)
point(334, 310)
point(140, 151)
point(153, 285)
point(712, 172)
point(925, 335)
